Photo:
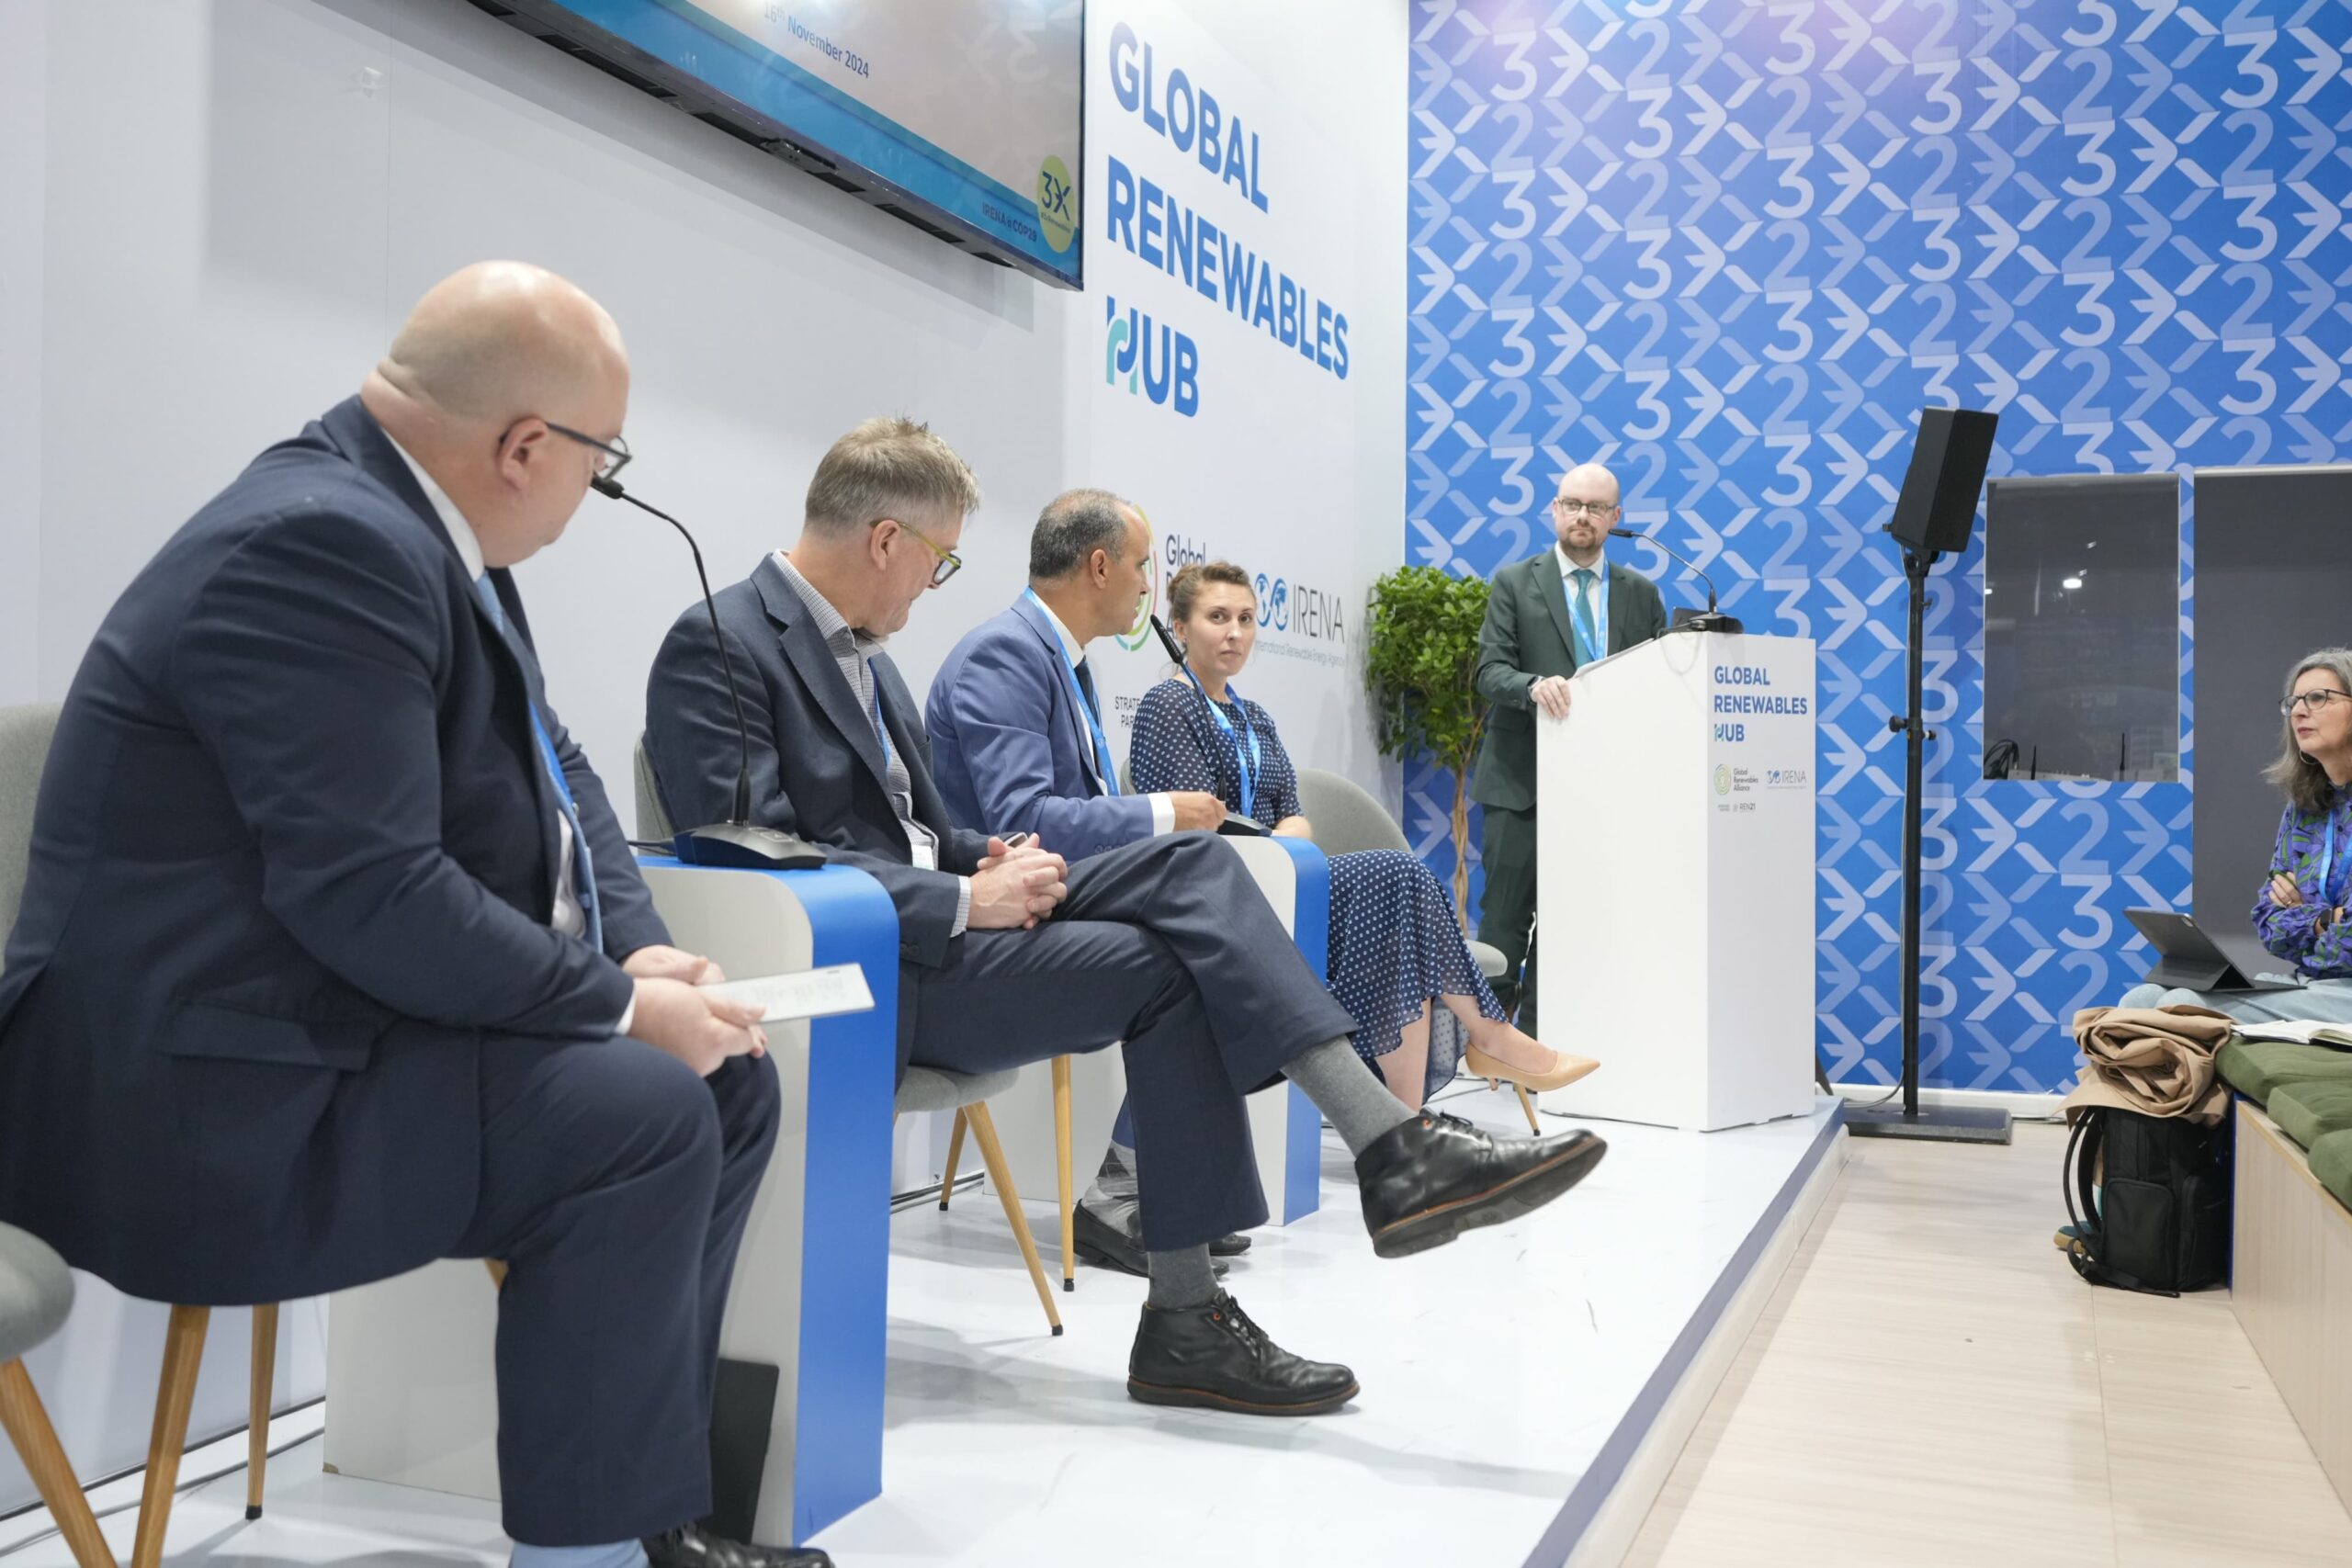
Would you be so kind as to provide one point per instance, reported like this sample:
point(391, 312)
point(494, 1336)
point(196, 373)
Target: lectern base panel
point(1942, 1124)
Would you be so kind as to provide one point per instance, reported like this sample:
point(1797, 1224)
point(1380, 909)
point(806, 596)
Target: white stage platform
point(1524, 1390)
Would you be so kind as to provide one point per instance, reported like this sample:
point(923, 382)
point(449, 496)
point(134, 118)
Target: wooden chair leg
point(36, 1440)
point(1061, 1169)
point(257, 1434)
point(183, 1354)
point(1527, 1103)
point(497, 1273)
point(992, 1158)
point(955, 1157)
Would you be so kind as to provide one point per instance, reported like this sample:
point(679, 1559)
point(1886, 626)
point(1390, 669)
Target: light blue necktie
point(582, 866)
point(1587, 629)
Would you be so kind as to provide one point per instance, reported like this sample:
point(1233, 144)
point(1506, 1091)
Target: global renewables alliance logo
point(1057, 203)
point(1722, 780)
point(1158, 361)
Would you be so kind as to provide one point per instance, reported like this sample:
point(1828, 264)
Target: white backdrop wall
point(216, 213)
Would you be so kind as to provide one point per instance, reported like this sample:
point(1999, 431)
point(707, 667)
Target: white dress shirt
point(1163, 806)
point(567, 916)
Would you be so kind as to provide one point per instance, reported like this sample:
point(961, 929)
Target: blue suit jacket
point(1012, 747)
point(816, 766)
point(292, 861)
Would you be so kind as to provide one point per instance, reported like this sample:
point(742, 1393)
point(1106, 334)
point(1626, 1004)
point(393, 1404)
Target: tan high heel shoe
point(1494, 1069)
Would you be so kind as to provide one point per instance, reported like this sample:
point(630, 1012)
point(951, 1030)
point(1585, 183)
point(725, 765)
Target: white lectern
point(1675, 881)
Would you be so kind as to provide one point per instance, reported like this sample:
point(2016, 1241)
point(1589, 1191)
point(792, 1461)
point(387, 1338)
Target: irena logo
point(1158, 361)
point(1265, 600)
point(1282, 604)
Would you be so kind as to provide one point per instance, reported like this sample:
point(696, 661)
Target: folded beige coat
point(2157, 1061)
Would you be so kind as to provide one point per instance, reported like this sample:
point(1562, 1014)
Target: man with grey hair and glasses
point(1009, 953)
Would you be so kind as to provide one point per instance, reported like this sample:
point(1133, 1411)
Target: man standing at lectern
point(1545, 617)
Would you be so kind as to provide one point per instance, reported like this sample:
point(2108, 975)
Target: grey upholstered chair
point(36, 1293)
point(1347, 819)
point(930, 1089)
point(24, 736)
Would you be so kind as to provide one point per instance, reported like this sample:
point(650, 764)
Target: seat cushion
point(2259, 1068)
point(2332, 1163)
point(2309, 1111)
point(931, 1088)
point(36, 1292)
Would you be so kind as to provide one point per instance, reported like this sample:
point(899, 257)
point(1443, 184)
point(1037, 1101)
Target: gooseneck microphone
point(736, 841)
point(1708, 620)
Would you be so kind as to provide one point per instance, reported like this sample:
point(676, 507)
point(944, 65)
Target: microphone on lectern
point(1685, 620)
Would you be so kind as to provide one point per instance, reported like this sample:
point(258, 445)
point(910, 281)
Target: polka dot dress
point(1395, 943)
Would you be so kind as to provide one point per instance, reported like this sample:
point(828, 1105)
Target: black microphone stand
point(736, 841)
point(1708, 620)
point(1950, 1124)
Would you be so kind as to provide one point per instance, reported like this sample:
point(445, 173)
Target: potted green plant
point(1420, 667)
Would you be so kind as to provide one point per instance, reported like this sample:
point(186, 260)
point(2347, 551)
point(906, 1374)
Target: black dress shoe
point(1100, 1242)
point(1429, 1181)
point(689, 1546)
point(1233, 1244)
point(1214, 1358)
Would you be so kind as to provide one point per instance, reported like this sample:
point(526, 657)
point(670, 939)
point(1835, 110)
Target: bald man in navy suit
point(333, 959)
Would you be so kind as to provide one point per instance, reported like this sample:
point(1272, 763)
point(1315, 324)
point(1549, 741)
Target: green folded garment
point(2259, 1068)
point(2310, 1111)
point(2332, 1163)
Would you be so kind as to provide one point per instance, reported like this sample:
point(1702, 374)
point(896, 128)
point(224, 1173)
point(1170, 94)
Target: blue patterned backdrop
point(1731, 249)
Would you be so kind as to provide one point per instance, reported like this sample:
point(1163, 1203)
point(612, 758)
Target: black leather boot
point(1428, 1180)
point(1214, 1358)
point(689, 1546)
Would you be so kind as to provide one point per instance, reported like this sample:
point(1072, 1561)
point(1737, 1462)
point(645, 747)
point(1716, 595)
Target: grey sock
point(1183, 1278)
point(1351, 1095)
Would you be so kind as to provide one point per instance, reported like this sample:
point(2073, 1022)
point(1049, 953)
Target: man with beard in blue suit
point(333, 959)
point(1021, 741)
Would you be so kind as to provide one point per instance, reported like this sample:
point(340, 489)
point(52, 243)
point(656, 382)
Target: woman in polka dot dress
point(1396, 947)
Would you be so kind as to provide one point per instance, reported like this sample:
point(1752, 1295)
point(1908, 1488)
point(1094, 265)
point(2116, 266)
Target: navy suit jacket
point(817, 765)
point(1014, 751)
point(292, 863)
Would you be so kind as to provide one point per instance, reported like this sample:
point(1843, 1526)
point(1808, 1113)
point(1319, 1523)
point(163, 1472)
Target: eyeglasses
point(616, 453)
point(2318, 702)
point(948, 564)
point(1587, 508)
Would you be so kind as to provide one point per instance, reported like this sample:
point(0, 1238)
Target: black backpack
point(2160, 1222)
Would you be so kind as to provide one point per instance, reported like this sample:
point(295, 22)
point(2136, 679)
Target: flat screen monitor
point(963, 117)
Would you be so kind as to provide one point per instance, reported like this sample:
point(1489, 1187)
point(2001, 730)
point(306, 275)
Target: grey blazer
point(1526, 636)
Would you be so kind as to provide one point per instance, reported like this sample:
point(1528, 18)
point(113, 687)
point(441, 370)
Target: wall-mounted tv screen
point(962, 116)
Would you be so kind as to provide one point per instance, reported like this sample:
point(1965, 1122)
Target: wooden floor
point(1931, 1385)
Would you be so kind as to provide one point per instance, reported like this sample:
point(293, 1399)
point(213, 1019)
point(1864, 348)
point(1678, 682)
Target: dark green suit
point(1527, 636)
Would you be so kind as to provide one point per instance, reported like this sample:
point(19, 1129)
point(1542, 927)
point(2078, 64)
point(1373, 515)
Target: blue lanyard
point(1105, 769)
point(2328, 859)
point(583, 865)
point(1595, 638)
point(881, 732)
point(1254, 759)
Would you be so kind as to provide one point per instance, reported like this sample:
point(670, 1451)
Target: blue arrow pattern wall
point(1731, 249)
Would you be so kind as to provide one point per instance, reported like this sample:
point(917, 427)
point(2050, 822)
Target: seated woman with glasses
point(1396, 947)
point(2299, 911)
